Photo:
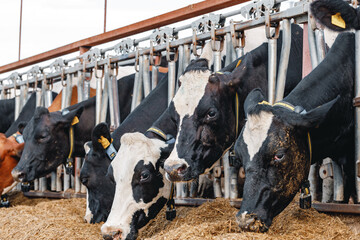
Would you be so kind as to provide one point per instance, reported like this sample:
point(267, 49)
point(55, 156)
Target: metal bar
point(49, 194)
point(272, 45)
point(105, 10)
point(357, 113)
point(284, 60)
point(146, 75)
point(20, 28)
point(338, 183)
point(320, 44)
point(184, 13)
point(98, 99)
point(312, 44)
point(172, 80)
point(154, 77)
point(113, 102)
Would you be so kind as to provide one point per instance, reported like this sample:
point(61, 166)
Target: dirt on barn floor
point(63, 219)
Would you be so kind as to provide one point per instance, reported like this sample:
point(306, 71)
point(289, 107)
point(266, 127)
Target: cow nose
point(112, 235)
point(176, 172)
point(250, 222)
point(17, 175)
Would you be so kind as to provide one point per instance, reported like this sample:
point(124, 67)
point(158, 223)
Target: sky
point(48, 24)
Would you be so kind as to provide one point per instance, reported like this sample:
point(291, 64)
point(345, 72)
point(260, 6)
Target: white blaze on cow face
point(256, 130)
point(135, 147)
point(186, 100)
point(88, 214)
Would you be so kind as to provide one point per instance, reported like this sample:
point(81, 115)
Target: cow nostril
point(18, 176)
point(113, 235)
point(181, 169)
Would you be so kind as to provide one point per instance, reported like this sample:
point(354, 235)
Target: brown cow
point(10, 149)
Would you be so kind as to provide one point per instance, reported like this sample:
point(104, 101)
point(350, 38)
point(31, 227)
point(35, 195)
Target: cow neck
point(170, 204)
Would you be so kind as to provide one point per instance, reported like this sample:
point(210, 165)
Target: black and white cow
point(206, 114)
point(274, 146)
point(47, 138)
point(146, 193)
point(141, 188)
point(100, 188)
point(337, 15)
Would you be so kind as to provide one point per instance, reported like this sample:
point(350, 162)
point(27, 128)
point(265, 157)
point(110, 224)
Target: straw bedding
point(63, 219)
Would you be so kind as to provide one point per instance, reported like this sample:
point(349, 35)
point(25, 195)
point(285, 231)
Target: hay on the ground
point(63, 219)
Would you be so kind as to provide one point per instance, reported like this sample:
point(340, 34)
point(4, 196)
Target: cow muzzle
point(175, 172)
point(251, 223)
point(112, 234)
point(18, 175)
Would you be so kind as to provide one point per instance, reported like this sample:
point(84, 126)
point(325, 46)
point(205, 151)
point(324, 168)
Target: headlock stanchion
point(165, 42)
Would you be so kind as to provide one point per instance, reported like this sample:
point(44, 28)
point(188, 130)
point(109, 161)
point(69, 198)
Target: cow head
point(47, 143)
point(274, 150)
point(93, 175)
point(336, 14)
point(141, 191)
point(10, 152)
point(208, 121)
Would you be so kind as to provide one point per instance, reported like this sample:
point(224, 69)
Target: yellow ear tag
point(221, 73)
point(238, 63)
point(104, 142)
point(338, 21)
point(74, 121)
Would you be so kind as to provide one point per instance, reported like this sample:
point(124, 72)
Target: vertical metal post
point(320, 44)
point(105, 96)
point(98, 96)
point(172, 80)
point(181, 61)
point(137, 92)
point(229, 49)
point(272, 49)
point(39, 102)
point(20, 28)
point(357, 113)
point(312, 44)
point(146, 75)
point(338, 183)
point(187, 55)
point(284, 60)
point(328, 182)
point(154, 76)
point(113, 100)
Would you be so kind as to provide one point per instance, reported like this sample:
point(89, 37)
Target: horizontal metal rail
point(184, 13)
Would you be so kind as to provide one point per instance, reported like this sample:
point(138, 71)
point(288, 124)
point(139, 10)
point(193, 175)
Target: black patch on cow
point(200, 64)
point(139, 218)
point(148, 189)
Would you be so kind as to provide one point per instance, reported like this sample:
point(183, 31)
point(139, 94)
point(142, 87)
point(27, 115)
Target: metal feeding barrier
point(99, 66)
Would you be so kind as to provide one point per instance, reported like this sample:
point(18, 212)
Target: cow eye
point(279, 156)
point(211, 113)
point(144, 176)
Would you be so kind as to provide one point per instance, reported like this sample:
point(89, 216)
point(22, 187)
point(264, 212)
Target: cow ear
point(241, 69)
point(21, 127)
point(336, 15)
point(207, 54)
point(71, 117)
point(252, 99)
point(101, 137)
point(39, 111)
point(314, 117)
